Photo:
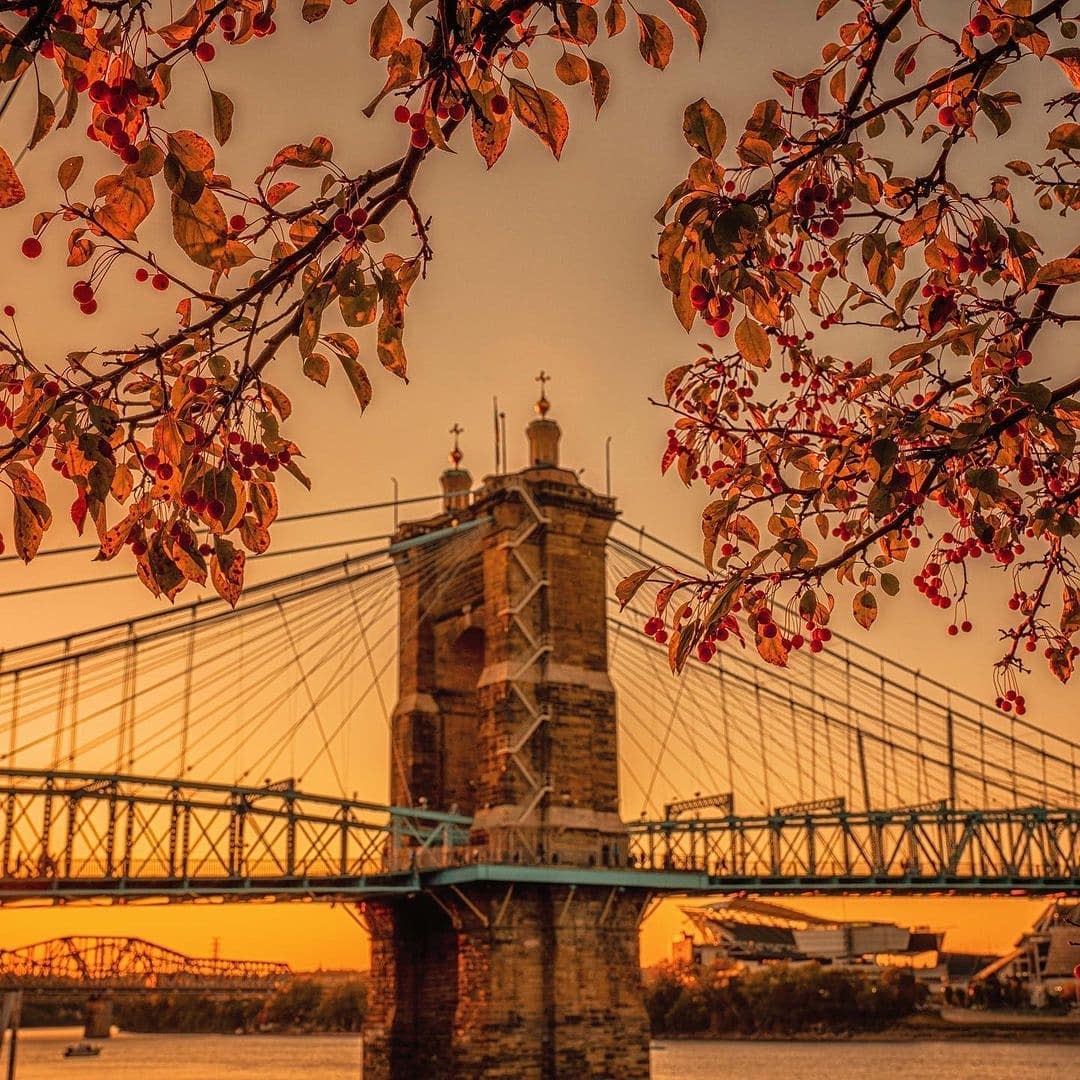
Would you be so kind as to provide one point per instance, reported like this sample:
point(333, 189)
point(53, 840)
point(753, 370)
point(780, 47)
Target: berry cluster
point(418, 121)
point(820, 208)
point(716, 309)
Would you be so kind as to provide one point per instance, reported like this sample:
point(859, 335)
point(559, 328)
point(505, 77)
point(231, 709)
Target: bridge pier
point(507, 983)
point(98, 1017)
point(506, 714)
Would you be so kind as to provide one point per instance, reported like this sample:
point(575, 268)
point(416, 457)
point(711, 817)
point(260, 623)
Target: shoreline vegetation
point(808, 1002)
point(303, 1006)
point(802, 1003)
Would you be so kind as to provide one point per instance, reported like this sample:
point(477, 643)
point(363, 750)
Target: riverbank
point(923, 1027)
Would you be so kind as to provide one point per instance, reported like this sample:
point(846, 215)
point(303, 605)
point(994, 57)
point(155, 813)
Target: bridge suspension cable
point(888, 736)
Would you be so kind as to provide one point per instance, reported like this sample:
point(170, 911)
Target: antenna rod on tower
point(502, 421)
point(495, 417)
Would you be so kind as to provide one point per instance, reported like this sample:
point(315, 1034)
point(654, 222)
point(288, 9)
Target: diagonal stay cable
point(311, 697)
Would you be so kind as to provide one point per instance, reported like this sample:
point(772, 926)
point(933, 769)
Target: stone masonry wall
point(550, 989)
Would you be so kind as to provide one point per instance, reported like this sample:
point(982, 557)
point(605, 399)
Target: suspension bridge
point(141, 760)
point(209, 753)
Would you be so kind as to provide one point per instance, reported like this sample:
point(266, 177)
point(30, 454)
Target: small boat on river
point(82, 1049)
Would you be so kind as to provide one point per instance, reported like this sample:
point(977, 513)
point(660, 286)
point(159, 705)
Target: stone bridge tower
point(518, 960)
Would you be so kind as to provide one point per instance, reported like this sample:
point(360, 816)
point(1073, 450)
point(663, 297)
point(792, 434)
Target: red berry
point(160, 282)
point(89, 307)
point(130, 155)
point(138, 549)
point(499, 105)
point(205, 51)
point(51, 388)
point(359, 217)
point(83, 292)
point(947, 116)
point(238, 223)
point(47, 49)
point(99, 90)
point(164, 471)
point(31, 247)
point(9, 311)
point(417, 121)
point(142, 274)
point(402, 114)
point(228, 22)
point(979, 25)
point(420, 139)
point(661, 636)
point(198, 384)
point(457, 111)
point(261, 23)
point(517, 17)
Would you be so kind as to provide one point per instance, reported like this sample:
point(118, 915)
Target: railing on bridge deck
point(980, 850)
point(82, 834)
point(71, 836)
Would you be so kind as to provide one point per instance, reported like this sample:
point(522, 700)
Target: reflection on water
point(865, 1061)
point(337, 1057)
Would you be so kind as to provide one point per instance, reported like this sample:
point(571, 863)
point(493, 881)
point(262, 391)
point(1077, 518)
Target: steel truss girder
point(952, 848)
point(120, 963)
point(63, 835)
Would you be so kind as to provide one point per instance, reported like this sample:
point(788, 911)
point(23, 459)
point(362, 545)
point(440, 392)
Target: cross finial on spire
point(456, 455)
point(543, 404)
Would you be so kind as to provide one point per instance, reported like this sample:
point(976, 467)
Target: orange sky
point(537, 264)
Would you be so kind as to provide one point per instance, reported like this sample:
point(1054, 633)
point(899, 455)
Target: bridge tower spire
point(504, 963)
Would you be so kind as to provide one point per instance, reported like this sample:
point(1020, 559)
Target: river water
point(336, 1057)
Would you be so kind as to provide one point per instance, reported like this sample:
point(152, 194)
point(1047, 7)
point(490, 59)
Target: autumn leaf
point(600, 81)
point(629, 586)
point(390, 349)
point(752, 342)
point(490, 134)
point(358, 380)
point(32, 518)
point(772, 650)
point(11, 188)
point(1069, 60)
point(615, 18)
point(317, 368)
point(227, 570)
point(223, 116)
point(542, 112)
point(402, 68)
point(183, 29)
point(202, 233)
point(1058, 272)
point(281, 191)
point(654, 41)
point(691, 13)
point(127, 199)
point(69, 171)
point(314, 10)
point(571, 69)
point(865, 608)
point(46, 117)
point(704, 129)
point(385, 33)
point(317, 152)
